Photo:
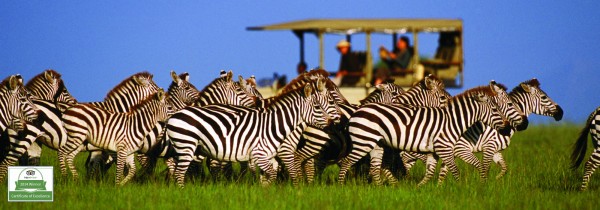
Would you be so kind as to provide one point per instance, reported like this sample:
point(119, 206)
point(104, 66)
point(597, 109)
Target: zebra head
point(249, 85)
point(321, 110)
point(49, 86)
point(155, 108)
point(224, 90)
point(532, 99)
point(386, 93)
point(485, 109)
point(429, 92)
point(181, 92)
point(513, 113)
point(16, 101)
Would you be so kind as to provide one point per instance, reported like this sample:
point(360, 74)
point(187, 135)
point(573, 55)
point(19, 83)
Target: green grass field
point(539, 178)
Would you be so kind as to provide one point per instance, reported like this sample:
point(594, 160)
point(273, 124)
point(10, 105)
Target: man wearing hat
point(348, 63)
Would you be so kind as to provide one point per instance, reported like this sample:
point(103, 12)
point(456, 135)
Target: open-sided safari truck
point(446, 64)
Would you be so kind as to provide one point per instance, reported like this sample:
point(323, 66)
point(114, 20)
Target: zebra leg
point(590, 167)
point(376, 162)
point(287, 156)
point(266, 165)
point(468, 156)
point(309, 169)
point(500, 161)
point(68, 156)
point(183, 162)
point(488, 156)
point(130, 161)
point(170, 162)
point(430, 165)
point(408, 160)
point(443, 174)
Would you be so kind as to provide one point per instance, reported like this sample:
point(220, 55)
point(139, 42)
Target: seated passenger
point(349, 62)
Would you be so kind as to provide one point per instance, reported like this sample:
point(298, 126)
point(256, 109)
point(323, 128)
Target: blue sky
point(96, 44)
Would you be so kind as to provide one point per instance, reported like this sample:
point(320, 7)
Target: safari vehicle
point(447, 63)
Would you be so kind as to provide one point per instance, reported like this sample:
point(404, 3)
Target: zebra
point(231, 133)
point(232, 93)
point(122, 133)
point(312, 140)
point(429, 92)
point(421, 129)
point(50, 95)
point(516, 117)
point(15, 105)
point(529, 98)
point(592, 128)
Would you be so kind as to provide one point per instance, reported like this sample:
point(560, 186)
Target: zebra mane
point(215, 81)
point(288, 91)
point(481, 89)
point(519, 89)
point(41, 76)
point(371, 95)
point(302, 78)
point(182, 76)
point(145, 101)
point(501, 86)
point(124, 83)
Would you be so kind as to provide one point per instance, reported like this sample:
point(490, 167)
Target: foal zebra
point(230, 133)
point(122, 133)
point(592, 127)
point(421, 129)
point(529, 98)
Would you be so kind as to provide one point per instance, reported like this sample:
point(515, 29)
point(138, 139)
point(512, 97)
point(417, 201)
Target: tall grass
point(539, 178)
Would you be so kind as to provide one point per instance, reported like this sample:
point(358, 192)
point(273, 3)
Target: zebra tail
point(580, 146)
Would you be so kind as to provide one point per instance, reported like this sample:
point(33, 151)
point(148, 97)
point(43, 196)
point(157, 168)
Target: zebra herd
point(308, 125)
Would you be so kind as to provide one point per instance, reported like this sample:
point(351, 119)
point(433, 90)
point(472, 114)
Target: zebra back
point(128, 93)
point(49, 86)
point(429, 92)
point(383, 93)
point(224, 91)
point(15, 103)
point(532, 99)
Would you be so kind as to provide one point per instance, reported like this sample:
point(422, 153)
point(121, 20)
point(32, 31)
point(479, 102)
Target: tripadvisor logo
point(30, 183)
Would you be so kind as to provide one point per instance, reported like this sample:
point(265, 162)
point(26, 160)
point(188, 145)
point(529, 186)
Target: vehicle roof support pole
point(369, 65)
point(321, 50)
point(394, 41)
point(415, 50)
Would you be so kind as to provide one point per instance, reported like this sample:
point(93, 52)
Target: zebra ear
point(186, 76)
point(525, 87)
point(229, 76)
point(242, 82)
point(308, 90)
point(160, 95)
point(176, 78)
point(49, 77)
point(14, 82)
point(428, 83)
point(494, 87)
point(379, 87)
point(321, 85)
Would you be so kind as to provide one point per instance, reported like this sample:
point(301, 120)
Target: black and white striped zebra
point(592, 128)
point(122, 133)
point(422, 129)
point(529, 98)
point(231, 93)
point(15, 105)
point(234, 134)
point(429, 92)
point(49, 95)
